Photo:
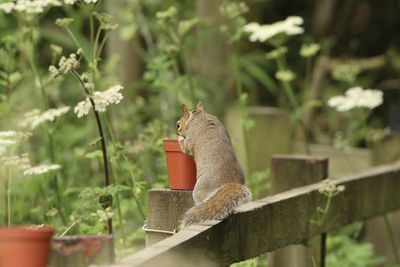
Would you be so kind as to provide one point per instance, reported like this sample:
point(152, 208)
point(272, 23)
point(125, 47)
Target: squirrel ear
point(200, 106)
point(185, 111)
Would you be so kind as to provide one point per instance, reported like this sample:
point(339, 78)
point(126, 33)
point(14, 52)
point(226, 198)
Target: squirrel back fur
point(219, 188)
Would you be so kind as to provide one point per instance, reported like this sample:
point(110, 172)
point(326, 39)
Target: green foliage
point(169, 39)
point(346, 252)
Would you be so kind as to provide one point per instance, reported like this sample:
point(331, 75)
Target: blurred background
point(270, 86)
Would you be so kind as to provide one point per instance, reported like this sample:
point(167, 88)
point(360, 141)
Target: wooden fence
point(274, 222)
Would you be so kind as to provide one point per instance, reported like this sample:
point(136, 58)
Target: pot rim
point(41, 232)
point(171, 145)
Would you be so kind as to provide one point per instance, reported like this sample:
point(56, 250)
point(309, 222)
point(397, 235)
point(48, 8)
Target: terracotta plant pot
point(25, 246)
point(181, 167)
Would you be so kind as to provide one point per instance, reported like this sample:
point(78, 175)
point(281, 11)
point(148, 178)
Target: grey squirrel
point(220, 185)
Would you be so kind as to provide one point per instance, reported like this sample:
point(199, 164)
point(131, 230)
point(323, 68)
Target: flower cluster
point(234, 9)
point(331, 189)
point(103, 215)
point(17, 161)
point(101, 101)
point(28, 6)
point(41, 169)
point(261, 33)
point(11, 138)
point(356, 97)
point(66, 65)
point(71, 2)
point(34, 118)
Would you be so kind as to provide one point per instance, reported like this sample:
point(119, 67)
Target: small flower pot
point(25, 246)
point(181, 167)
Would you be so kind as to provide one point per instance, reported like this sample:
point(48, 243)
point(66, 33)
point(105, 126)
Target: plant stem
point(38, 79)
point(102, 141)
point(392, 240)
point(323, 250)
point(131, 182)
point(8, 197)
point(281, 63)
point(103, 42)
point(242, 104)
point(91, 23)
point(67, 230)
point(188, 71)
point(55, 178)
point(71, 34)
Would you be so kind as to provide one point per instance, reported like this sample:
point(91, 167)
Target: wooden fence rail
point(270, 223)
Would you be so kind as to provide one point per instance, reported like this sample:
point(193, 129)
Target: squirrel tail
point(218, 206)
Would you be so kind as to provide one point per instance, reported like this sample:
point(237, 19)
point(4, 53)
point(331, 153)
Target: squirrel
point(220, 185)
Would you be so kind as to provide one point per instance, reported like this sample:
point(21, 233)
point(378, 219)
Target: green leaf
point(186, 26)
point(15, 78)
point(95, 141)
point(94, 154)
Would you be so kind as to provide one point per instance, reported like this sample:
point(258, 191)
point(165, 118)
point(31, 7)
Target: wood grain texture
point(288, 172)
point(165, 210)
point(274, 222)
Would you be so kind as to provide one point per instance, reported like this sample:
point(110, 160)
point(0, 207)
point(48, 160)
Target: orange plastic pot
point(25, 246)
point(181, 167)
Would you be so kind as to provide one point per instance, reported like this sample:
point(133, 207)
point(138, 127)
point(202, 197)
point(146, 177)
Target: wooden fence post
point(165, 209)
point(288, 172)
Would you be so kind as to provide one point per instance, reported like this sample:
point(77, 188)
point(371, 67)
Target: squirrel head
point(187, 116)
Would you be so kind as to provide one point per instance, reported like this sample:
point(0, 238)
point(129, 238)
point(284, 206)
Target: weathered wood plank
point(165, 209)
point(274, 222)
point(288, 172)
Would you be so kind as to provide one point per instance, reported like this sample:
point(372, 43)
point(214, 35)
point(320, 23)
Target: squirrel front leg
point(184, 145)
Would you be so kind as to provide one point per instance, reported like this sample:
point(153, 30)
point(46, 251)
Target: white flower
point(90, 1)
point(261, 33)
point(101, 101)
point(82, 108)
point(356, 97)
point(8, 134)
point(10, 138)
point(7, 7)
point(53, 71)
point(70, 2)
point(41, 169)
point(34, 118)
point(67, 64)
point(18, 161)
point(29, 6)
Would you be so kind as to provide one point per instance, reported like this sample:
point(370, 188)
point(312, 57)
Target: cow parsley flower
point(8, 134)
point(11, 138)
point(28, 6)
point(17, 161)
point(7, 7)
point(34, 118)
point(41, 169)
point(66, 65)
point(261, 33)
point(101, 101)
point(356, 97)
